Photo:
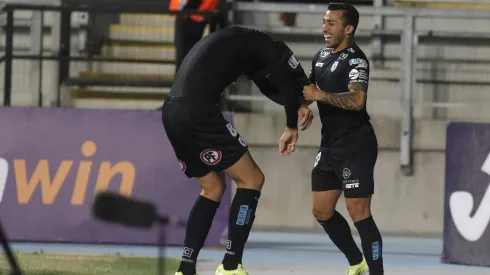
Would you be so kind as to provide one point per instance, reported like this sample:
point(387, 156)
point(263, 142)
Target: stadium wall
point(401, 204)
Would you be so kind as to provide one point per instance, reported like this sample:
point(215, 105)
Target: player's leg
point(249, 179)
point(358, 174)
point(219, 147)
point(327, 189)
point(179, 131)
point(201, 218)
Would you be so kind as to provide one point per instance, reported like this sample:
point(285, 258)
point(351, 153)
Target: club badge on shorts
point(183, 167)
point(211, 156)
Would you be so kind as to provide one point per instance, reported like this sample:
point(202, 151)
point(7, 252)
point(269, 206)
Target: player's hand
point(287, 142)
point(311, 92)
point(306, 116)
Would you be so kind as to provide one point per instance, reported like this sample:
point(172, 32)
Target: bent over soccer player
point(349, 148)
point(207, 145)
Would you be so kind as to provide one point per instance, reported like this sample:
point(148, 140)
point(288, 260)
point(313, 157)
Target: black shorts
point(202, 139)
point(350, 170)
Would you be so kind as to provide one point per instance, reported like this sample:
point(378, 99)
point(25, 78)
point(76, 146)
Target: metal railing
point(62, 55)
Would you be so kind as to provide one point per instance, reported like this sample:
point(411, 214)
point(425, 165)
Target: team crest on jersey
point(211, 156)
point(323, 54)
point(334, 66)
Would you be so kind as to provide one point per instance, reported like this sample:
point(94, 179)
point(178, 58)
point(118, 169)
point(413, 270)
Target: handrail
point(65, 10)
point(363, 10)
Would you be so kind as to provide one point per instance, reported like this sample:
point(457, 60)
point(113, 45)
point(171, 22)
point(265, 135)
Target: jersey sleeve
point(288, 80)
point(294, 79)
point(284, 94)
point(358, 71)
point(311, 76)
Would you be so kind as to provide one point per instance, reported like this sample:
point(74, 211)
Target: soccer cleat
point(239, 271)
point(358, 269)
point(180, 273)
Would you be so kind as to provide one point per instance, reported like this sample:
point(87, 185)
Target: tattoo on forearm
point(349, 100)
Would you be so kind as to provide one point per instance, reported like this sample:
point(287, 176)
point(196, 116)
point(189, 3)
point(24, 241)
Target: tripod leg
point(10, 255)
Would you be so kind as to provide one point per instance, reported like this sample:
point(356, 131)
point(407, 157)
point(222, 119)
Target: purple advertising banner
point(467, 195)
point(53, 160)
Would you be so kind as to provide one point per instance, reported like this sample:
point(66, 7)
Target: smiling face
point(334, 30)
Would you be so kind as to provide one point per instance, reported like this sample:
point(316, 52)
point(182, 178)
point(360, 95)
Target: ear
point(349, 29)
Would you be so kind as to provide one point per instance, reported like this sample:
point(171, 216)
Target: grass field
point(70, 264)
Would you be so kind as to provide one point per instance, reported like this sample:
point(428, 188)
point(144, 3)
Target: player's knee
point(213, 186)
point(359, 208)
point(254, 181)
point(322, 213)
point(214, 191)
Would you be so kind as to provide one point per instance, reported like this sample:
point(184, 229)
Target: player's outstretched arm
point(354, 99)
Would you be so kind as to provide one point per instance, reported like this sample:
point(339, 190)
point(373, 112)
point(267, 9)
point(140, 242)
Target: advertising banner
point(467, 195)
point(52, 161)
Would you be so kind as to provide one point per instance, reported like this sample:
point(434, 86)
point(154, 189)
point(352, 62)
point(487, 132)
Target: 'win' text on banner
point(51, 183)
point(53, 161)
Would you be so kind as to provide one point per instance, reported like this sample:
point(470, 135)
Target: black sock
point(242, 215)
point(198, 226)
point(372, 245)
point(339, 232)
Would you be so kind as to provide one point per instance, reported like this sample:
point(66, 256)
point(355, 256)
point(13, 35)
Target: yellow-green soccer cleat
point(239, 271)
point(358, 269)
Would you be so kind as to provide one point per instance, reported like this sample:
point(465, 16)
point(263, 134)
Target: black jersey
point(333, 72)
point(221, 58)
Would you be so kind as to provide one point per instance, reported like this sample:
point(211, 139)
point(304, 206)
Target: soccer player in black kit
point(206, 145)
point(349, 149)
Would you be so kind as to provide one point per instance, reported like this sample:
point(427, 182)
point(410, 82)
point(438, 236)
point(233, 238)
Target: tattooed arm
point(357, 78)
point(354, 99)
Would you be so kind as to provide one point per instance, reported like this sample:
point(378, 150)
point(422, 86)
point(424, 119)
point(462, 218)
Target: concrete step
point(143, 33)
point(114, 97)
point(141, 76)
point(155, 52)
point(163, 20)
point(133, 68)
point(136, 81)
point(22, 42)
point(116, 104)
point(129, 90)
point(90, 93)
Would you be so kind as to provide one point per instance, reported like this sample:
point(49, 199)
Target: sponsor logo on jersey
point(354, 74)
point(358, 61)
point(343, 56)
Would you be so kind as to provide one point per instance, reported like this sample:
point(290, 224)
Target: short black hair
point(350, 14)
